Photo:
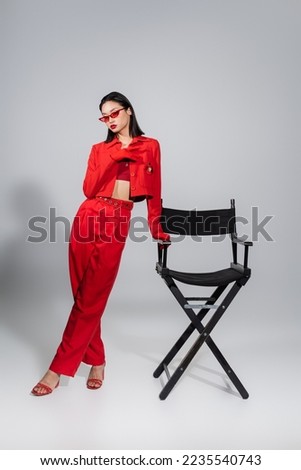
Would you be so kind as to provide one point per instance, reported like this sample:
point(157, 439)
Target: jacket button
point(133, 173)
point(134, 187)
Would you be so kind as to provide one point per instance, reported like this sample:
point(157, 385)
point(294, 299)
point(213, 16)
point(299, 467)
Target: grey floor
point(202, 412)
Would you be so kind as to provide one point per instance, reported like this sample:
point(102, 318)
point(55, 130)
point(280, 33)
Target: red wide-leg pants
point(97, 239)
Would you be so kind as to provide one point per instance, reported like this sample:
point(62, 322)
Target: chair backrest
point(195, 222)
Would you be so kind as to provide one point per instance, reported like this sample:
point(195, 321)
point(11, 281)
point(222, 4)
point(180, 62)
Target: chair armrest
point(236, 239)
point(162, 251)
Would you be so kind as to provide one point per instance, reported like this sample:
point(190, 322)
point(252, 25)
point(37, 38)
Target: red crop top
point(123, 170)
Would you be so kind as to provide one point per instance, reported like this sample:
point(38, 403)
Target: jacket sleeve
point(102, 167)
point(95, 176)
point(154, 204)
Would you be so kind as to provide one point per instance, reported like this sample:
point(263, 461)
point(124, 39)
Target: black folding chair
point(201, 223)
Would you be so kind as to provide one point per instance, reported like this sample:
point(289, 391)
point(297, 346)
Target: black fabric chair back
point(194, 222)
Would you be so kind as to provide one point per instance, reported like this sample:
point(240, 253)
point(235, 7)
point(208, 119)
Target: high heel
point(47, 389)
point(95, 384)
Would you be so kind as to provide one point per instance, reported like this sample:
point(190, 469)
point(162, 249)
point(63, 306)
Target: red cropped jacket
point(145, 175)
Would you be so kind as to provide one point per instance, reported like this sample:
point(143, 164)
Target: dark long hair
point(125, 103)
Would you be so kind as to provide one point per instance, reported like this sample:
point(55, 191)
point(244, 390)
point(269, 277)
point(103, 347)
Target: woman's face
point(118, 124)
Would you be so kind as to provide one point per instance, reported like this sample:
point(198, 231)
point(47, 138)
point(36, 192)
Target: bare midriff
point(121, 190)
point(122, 185)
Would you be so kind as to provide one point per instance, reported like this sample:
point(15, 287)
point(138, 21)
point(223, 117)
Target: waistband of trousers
point(111, 201)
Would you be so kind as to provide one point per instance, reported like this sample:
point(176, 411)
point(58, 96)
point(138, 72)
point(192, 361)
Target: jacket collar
point(115, 141)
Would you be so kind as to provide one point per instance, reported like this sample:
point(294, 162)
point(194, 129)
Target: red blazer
point(145, 175)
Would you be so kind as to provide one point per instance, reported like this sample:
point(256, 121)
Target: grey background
point(218, 84)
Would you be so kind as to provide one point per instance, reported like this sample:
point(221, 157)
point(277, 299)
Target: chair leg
point(229, 371)
point(204, 337)
point(188, 358)
point(189, 330)
point(171, 383)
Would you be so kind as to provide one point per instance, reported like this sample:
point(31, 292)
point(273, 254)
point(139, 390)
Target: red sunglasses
point(113, 115)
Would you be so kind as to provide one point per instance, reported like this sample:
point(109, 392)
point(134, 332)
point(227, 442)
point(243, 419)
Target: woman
point(123, 169)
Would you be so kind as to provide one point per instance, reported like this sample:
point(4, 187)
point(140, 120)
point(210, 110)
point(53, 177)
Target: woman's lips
point(113, 126)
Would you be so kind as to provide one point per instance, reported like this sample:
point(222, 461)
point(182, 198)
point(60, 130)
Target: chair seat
point(217, 278)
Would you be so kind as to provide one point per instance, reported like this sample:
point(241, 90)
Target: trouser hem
point(62, 372)
point(92, 365)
